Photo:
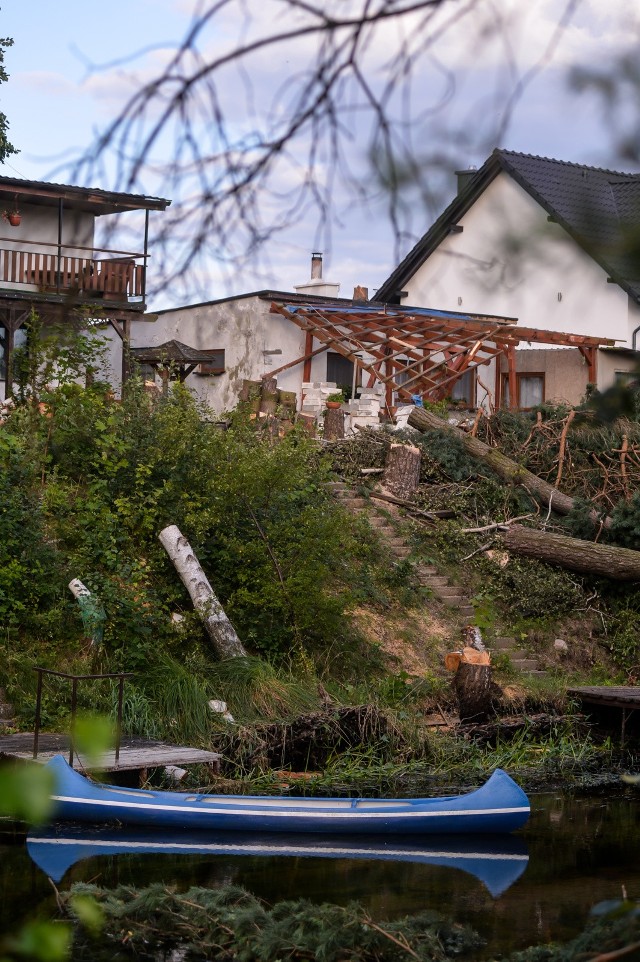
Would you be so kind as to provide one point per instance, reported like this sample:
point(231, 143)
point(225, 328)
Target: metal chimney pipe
point(316, 266)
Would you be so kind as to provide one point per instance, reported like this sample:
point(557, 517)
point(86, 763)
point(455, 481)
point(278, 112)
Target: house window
point(464, 389)
point(146, 372)
point(627, 379)
point(19, 341)
point(213, 366)
point(401, 375)
point(530, 389)
point(340, 371)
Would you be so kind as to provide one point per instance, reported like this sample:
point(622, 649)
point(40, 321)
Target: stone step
point(435, 580)
point(524, 664)
point(337, 487)
point(502, 644)
point(426, 570)
point(399, 551)
point(446, 591)
point(385, 533)
point(356, 502)
point(467, 611)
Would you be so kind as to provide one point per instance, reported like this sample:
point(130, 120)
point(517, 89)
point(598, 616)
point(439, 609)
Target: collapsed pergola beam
point(435, 348)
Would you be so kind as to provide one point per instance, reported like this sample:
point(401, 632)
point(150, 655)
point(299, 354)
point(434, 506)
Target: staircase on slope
point(427, 575)
point(518, 658)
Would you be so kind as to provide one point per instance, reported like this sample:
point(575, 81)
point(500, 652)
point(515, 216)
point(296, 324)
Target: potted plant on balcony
point(335, 400)
point(13, 216)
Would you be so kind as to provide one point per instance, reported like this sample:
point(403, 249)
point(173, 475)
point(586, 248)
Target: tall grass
point(253, 689)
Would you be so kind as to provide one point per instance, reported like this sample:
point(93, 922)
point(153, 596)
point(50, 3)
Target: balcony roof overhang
point(14, 191)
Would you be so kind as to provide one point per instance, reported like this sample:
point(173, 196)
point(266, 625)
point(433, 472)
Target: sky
point(485, 73)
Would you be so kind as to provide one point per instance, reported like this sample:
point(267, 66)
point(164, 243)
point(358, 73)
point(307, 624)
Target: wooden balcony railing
point(109, 278)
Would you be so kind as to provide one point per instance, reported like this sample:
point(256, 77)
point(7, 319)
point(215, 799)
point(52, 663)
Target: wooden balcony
point(52, 273)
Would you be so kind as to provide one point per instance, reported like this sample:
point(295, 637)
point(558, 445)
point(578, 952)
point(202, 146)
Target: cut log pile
point(603, 560)
point(503, 466)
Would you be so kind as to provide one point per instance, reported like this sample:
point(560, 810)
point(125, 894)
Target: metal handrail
point(74, 702)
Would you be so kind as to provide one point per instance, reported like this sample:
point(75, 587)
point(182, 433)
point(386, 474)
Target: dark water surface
point(574, 853)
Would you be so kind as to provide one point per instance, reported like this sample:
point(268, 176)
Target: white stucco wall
point(509, 260)
point(246, 330)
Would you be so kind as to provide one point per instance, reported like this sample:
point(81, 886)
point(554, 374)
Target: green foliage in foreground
point(87, 484)
point(95, 482)
point(230, 923)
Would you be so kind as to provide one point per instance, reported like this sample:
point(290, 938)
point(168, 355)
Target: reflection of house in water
point(49, 260)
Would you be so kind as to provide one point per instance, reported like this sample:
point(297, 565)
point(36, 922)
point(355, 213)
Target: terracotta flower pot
point(14, 219)
point(334, 405)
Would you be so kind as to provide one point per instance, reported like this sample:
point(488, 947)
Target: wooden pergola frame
point(436, 348)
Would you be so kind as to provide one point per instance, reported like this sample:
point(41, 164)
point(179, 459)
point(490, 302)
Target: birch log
point(503, 466)
point(92, 613)
point(220, 630)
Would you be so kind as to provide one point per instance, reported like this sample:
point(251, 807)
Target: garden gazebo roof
point(179, 357)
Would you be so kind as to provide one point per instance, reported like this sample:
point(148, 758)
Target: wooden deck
point(615, 696)
point(136, 754)
point(626, 698)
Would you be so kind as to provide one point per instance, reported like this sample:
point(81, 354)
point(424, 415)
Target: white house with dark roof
point(556, 245)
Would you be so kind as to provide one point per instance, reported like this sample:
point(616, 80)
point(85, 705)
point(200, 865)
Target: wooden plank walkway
point(624, 697)
point(620, 696)
point(135, 753)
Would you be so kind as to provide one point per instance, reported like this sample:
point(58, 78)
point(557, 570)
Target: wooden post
point(475, 691)
point(308, 350)
point(513, 380)
point(269, 396)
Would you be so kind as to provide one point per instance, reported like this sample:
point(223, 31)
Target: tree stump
point(269, 396)
point(475, 690)
point(333, 424)
point(401, 473)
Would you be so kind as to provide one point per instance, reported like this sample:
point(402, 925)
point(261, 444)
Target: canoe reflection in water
point(496, 861)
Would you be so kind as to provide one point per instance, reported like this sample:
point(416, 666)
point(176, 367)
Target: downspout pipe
point(633, 338)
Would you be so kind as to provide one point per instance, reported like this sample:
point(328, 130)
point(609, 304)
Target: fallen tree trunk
point(220, 630)
point(607, 561)
point(503, 466)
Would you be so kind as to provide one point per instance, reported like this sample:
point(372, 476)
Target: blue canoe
point(495, 860)
point(498, 806)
